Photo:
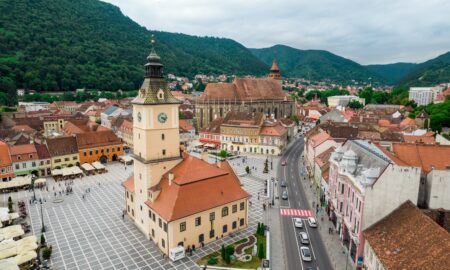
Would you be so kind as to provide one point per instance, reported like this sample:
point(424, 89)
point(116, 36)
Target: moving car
point(312, 222)
point(304, 239)
point(283, 163)
point(284, 196)
point(298, 223)
point(306, 254)
point(283, 184)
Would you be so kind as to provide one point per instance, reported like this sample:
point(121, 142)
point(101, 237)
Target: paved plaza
point(89, 232)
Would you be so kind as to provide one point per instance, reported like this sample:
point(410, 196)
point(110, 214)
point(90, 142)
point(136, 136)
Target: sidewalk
point(333, 244)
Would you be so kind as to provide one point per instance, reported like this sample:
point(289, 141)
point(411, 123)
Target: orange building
point(6, 169)
point(103, 146)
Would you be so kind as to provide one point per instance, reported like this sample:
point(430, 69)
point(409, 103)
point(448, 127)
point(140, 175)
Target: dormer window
point(160, 94)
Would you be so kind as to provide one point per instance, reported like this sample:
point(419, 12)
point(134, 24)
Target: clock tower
point(156, 138)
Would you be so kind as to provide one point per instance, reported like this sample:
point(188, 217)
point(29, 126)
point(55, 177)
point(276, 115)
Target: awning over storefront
point(87, 167)
point(9, 264)
point(97, 165)
point(26, 257)
point(56, 172)
point(6, 216)
point(71, 171)
point(9, 248)
point(11, 232)
point(19, 181)
point(210, 145)
point(40, 181)
point(126, 159)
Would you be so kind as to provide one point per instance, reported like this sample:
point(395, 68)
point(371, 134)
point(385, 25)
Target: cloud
point(376, 31)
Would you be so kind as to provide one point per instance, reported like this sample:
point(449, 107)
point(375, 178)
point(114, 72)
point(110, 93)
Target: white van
point(177, 253)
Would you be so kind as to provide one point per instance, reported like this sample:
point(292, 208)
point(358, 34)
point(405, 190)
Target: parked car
point(312, 222)
point(298, 223)
point(304, 239)
point(306, 254)
point(283, 184)
point(284, 196)
point(283, 163)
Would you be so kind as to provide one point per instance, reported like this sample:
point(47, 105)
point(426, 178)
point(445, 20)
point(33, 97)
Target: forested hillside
point(65, 44)
point(315, 65)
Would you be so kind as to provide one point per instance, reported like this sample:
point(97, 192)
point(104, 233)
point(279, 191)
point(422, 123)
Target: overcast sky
point(366, 31)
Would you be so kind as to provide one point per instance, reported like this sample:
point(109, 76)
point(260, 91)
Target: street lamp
point(42, 220)
point(32, 186)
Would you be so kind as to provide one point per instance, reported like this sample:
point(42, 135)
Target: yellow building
point(63, 152)
point(239, 131)
point(175, 199)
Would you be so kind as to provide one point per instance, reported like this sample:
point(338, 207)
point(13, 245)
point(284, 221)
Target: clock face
point(162, 117)
point(139, 116)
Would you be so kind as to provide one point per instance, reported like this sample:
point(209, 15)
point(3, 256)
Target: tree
point(42, 240)
point(266, 166)
point(258, 229)
point(261, 251)
point(247, 169)
point(223, 153)
point(295, 119)
point(229, 250)
point(46, 253)
point(354, 104)
point(181, 115)
point(222, 252)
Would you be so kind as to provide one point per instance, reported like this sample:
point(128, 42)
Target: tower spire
point(274, 70)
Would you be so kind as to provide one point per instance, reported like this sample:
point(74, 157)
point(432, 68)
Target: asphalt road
point(297, 200)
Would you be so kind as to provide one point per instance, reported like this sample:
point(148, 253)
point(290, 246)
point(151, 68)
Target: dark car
point(283, 184)
point(283, 163)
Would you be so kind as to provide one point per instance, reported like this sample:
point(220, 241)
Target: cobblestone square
point(89, 232)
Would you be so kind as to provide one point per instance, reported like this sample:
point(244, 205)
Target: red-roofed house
point(6, 169)
point(187, 131)
point(434, 160)
point(273, 138)
point(316, 145)
point(25, 159)
point(125, 132)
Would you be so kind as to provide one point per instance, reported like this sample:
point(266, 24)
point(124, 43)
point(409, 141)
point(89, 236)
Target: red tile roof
point(97, 139)
point(129, 184)
point(24, 151)
point(419, 139)
point(197, 186)
point(324, 157)
point(272, 130)
point(184, 124)
point(408, 239)
point(42, 151)
point(5, 158)
point(244, 89)
point(420, 155)
point(62, 146)
point(320, 138)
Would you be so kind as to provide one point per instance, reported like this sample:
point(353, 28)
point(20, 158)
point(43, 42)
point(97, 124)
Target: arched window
point(163, 136)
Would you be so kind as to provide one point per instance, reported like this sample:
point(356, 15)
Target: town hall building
point(173, 198)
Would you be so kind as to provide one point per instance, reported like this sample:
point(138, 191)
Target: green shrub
point(261, 251)
point(212, 260)
point(46, 253)
point(42, 240)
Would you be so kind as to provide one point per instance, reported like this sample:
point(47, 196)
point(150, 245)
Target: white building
point(34, 106)
point(424, 95)
point(335, 101)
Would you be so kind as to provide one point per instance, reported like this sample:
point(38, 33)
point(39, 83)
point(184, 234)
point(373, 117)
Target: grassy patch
point(253, 264)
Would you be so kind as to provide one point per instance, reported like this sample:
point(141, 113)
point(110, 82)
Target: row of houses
point(361, 181)
point(248, 132)
point(59, 152)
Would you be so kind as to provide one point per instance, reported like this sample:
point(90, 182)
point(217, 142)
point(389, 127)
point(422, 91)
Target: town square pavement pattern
point(90, 233)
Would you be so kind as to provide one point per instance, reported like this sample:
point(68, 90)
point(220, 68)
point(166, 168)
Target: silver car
point(304, 239)
point(306, 254)
point(284, 196)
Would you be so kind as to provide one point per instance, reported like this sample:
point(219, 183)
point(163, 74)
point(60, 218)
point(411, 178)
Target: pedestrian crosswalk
point(296, 212)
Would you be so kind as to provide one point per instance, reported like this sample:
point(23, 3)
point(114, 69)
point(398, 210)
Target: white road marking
point(310, 242)
point(298, 248)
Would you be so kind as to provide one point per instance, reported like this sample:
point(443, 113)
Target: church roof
point(274, 66)
point(196, 187)
point(244, 89)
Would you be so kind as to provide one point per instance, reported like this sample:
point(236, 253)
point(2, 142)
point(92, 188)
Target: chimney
point(440, 219)
point(170, 178)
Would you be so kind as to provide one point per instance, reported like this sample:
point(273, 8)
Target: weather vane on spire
point(152, 41)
